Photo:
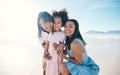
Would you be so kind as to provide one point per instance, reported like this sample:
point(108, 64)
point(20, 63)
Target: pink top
point(54, 63)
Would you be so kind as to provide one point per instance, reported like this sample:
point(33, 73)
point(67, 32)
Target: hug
point(63, 44)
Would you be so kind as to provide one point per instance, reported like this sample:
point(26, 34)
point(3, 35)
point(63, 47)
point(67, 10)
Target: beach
point(24, 57)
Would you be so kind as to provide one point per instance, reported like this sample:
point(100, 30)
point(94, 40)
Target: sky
point(19, 17)
point(101, 15)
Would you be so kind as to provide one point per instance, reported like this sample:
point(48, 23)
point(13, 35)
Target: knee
point(63, 68)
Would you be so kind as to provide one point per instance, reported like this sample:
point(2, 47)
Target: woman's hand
point(60, 53)
point(59, 46)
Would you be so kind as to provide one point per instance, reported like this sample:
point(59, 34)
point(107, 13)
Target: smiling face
point(57, 24)
point(47, 26)
point(69, 28)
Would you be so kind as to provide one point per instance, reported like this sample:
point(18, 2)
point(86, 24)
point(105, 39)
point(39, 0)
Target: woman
point(79, 63)
point(45, 24)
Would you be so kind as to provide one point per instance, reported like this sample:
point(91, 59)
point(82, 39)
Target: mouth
point(67, 32)
point(49, 29)
point(56, 27)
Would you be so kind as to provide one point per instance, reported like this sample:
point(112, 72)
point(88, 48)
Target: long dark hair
point(45, 17)
point(76, 35)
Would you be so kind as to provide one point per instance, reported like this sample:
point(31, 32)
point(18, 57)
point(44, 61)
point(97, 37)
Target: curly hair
point(63, 14)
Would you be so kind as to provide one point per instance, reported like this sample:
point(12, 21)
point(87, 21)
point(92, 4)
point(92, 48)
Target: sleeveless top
point(87, 61)
point(85, 57)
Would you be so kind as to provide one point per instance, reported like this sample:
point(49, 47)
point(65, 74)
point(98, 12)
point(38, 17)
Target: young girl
point(45, 24)
point(56, 36)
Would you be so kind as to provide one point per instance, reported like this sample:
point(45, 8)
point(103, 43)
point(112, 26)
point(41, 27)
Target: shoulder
point(77, 45)
point(63, 33)
point(50, 34)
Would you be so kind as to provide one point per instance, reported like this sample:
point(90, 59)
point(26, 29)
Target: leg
point(63, 69)
point(44, 66)
point(44, 72)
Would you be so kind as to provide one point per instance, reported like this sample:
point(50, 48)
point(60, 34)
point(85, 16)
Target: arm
point(46, 53)
point(47, 42)
point(71, 60)
point(77, 51)
point(60, 53)
point(60, 46)
point(46, 46)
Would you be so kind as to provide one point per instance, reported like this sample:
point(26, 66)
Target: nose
point(55, 25)
point(67, 28)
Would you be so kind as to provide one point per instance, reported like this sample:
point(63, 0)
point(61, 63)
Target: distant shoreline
point(114, 32)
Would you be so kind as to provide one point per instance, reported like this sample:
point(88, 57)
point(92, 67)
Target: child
point(56, 36)
point(45, 24)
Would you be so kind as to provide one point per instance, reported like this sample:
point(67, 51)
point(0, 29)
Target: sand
point(24, 57)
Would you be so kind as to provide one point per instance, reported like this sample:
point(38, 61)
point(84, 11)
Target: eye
point(65, 26)
point(59, 22)
point(70, 26)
